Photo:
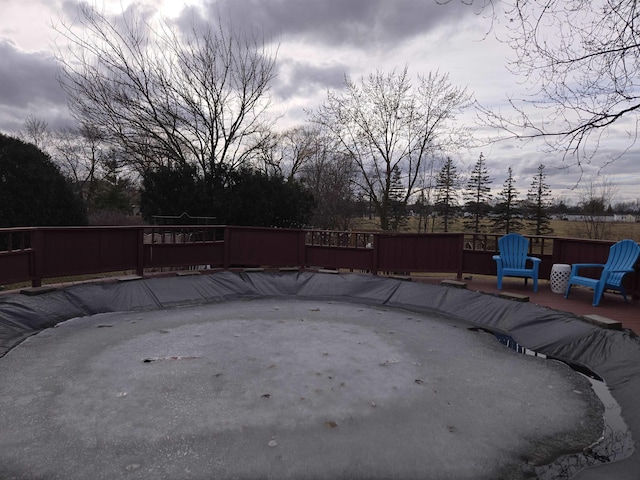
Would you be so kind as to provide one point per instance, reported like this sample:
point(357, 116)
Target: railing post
point(37, 251)
point(374, 256)
point(558, 249)
point(302, 249)
point(140, 259)
point(461, 256)
point(226, 248)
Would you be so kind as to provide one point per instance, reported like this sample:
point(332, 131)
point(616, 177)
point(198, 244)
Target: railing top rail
point(415, 234)
point(72, 228)
point(110, 227)
point(340, 232)
point(185, 226)
point(18, 229)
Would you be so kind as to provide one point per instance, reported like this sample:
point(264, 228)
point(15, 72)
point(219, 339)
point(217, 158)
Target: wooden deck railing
point(38, 253)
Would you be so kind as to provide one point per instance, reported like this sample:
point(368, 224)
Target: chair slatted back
point(622, 256)
point(514, 249)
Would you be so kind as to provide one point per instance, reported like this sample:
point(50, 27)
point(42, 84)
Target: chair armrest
point(534, 259)
point(497, 257)
point(580, 265)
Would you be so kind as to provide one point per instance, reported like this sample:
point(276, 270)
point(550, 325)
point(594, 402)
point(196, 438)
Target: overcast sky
point(321, 41)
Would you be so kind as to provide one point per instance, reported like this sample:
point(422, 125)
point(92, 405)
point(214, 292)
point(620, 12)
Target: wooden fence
point(38, 253)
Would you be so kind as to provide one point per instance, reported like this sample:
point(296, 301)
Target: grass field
point(561, 228)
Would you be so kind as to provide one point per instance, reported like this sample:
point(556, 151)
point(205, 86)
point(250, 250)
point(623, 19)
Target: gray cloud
point(352, 23)
point(28, 87)
point(321, 41)
point(297, 78)
point(69, 8)
point(27, 77)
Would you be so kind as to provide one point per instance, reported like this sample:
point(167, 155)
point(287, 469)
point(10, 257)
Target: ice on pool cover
point(281, 385)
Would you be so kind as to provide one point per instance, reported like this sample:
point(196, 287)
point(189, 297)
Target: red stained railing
point(34, 254)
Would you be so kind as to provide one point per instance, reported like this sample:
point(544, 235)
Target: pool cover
point(612, 355)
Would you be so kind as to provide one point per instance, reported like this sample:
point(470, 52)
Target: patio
point(579, 302)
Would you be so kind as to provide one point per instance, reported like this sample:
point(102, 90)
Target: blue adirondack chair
point(513, 258)
point(622, 257)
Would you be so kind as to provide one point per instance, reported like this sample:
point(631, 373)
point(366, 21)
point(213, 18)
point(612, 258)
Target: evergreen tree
point(447, 183)
point(33, 192)
point(112, 191)
point(537, 204)
point(477, 195)
point(174, 190)
point(254, 198)
point(249, 197)
point(397, 202)
point(508, 211)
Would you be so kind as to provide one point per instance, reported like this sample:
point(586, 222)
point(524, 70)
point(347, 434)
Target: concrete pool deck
point(293, 376)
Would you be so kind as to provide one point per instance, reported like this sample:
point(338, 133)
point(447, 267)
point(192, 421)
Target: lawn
point(561, 228)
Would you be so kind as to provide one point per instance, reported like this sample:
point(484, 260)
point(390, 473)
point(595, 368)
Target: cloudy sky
point(321, 41)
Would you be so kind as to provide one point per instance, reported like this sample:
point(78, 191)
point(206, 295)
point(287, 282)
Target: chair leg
point(597, 295)
point(624, 294)
point(566, 293)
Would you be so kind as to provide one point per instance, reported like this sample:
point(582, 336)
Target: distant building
point(626, 218)
point(619, 218)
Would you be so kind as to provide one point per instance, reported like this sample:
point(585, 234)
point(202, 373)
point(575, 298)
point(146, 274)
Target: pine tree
point(447, 183)
point(477, 195)
point(33, 191)
point(538, 203)
point(508, 210)
point(397, 203)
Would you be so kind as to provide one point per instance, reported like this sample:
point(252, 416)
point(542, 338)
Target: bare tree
point(329, 176)
point(287, 152)
point(93, 168)
point(383, 123)
point(79, 154)
point(426, 197)
point(308, 155)
point(596, 200)
point(36, 131)
point(165, 96)
point(582, 59)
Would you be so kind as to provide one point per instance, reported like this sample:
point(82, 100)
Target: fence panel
point(264, 247)
point(431, 252)
point(85, 250)
point(187, 255)
point(340, 257)
point(575, 250)
point(16, 255)
point(16, 267)
point(184, 246)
